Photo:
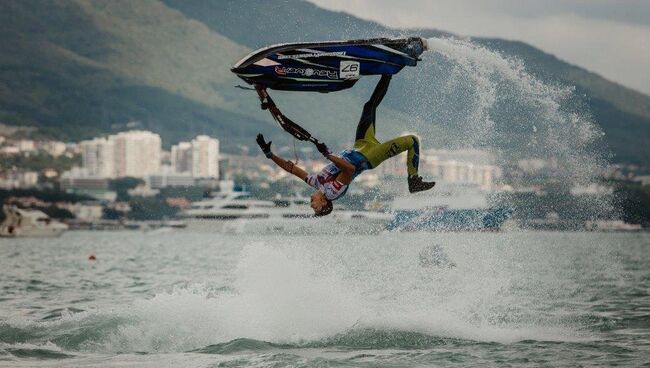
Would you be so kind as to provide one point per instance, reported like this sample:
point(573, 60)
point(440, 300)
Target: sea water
point(182, 298)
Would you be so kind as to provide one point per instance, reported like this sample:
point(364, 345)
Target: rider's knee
point(413, 139)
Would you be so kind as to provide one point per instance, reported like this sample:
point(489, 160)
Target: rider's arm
point(289, 167)
point(347, 169)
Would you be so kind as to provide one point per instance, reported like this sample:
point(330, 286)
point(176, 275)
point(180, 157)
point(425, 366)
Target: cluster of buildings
point(629, 172)
point(199, 162)
point(17, 178)
point(20, 177)
point(134, 153)
point(462, 167)
point(139, 154)
point(11, 147)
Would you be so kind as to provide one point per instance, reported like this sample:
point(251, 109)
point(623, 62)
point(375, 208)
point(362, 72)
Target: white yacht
point(229, 206)
point(291, 215)
point(338, 222)
point(29, 223)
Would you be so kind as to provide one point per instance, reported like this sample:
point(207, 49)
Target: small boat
point(29, 223)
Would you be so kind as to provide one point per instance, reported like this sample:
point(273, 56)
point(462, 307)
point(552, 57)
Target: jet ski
point(327, 66)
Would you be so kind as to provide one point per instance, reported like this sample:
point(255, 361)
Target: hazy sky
point(610, 37)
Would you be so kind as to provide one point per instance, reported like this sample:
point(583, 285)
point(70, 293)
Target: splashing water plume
point(541, 110)
point(473, 97)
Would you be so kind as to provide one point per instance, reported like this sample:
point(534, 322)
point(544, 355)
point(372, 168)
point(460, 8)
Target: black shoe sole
point(416, 190)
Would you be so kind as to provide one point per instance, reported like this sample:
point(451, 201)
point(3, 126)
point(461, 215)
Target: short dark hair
point(326, 210)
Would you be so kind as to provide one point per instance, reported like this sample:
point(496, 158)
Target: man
point(368, 153)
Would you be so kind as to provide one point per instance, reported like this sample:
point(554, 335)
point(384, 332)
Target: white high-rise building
point(205, 157)
point(199, 158)
point(181, 157)
point(137, 153)
point(98, 157)
point(134, 153)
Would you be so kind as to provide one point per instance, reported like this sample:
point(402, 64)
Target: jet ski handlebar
point(285, 123)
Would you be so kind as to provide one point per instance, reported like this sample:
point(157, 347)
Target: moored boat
point(29, 223)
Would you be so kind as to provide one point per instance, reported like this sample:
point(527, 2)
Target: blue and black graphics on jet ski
point(327, 66)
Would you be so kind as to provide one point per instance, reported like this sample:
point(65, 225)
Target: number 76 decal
point(349, 69)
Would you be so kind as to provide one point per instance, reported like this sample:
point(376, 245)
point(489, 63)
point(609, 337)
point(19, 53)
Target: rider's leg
point(382, 152)
point(366, 128)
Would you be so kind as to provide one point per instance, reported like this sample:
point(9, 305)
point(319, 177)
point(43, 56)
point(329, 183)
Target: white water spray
point(474, 97)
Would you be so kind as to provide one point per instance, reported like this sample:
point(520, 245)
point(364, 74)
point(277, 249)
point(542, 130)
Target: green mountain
point(80, 68)
point(76, 69)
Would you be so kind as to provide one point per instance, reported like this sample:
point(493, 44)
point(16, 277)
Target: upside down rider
point(368, 153)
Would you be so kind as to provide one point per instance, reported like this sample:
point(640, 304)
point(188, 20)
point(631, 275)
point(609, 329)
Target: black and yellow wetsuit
point(375, 151)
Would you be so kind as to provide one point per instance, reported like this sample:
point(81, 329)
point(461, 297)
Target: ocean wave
point(31, 351)
point(284, 297)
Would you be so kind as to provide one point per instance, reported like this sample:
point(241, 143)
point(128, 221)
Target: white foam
point(486, 78)
point(275, 299)
point(293, 291)
point(285, 294)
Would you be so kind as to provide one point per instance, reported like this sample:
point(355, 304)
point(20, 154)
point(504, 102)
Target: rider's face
point(318, 200)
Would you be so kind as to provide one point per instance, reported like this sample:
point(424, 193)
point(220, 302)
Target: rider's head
point(321, 205)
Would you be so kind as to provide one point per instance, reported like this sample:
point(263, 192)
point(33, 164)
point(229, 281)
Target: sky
point(609, 37)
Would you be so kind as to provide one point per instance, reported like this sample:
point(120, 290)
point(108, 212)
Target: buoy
point(92, 257)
